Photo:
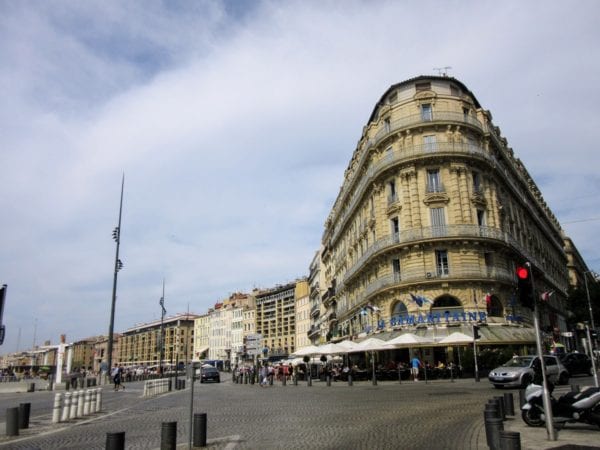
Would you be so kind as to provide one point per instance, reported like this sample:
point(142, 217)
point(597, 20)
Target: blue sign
point(435, 318)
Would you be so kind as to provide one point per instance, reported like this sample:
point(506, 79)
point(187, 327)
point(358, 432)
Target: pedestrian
point(415, 364)
point(116, 377)
point(264, 372)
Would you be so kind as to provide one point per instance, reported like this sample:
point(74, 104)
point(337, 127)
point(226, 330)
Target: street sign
point(254, 344)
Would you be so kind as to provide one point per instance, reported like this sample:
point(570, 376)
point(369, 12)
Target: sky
point(232, 123)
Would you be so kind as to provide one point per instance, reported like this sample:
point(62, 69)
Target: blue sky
point(233, 123)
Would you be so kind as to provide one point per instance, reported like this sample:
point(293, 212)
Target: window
point(476, 182)
point(429, 143)
point(393, 195)
point(481, 218)
point(466, 114)
point(454, 91)
point(393, 97)
point(426, 113)
point(441, 261)
point(433, 181)
point(424, 86)
point(387, 125)
point(395, 226)
point(438, 222)
point(396, 269)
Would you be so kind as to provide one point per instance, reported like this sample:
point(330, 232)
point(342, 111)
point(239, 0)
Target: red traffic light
point(523, 273)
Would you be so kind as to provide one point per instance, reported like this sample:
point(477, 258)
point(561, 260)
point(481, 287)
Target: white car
point(518, 372)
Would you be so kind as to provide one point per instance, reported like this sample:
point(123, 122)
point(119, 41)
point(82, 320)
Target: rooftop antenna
point(442, 71)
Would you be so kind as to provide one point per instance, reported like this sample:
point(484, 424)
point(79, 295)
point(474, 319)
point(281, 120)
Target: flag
point(162, 304)
point(419, 299)
point(372, 308)
point(488, 299)
point(545, 296)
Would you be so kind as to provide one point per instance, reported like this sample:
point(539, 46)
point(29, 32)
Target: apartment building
point(434, 214)
point(141, 344)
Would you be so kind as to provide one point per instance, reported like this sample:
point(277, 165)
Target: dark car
point(577, 363)
point(209, 373)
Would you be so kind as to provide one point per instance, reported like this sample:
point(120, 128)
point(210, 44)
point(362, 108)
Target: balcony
point(313, 332)
point(406, 155)
point(315, 311)
point(420, 234)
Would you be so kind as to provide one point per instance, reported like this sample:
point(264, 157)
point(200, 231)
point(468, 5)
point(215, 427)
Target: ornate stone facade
point(434, 214)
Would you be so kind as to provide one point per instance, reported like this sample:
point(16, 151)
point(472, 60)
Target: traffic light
point(525, 287)
point(476, 334)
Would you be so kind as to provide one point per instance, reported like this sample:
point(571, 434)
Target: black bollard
point(328, 380)
point(491, 413)
point(493, 427)
point(283, 379)
point(510, 440)
point(349, 379)
point(522, 398)
point(399, 377)
point(168, 436)
point(12, 421)
point(509, 404)
point(500, 401)
point(182, 383)
point(24, 410)
point(200, 430)
point(115, 441)
point(295, 377)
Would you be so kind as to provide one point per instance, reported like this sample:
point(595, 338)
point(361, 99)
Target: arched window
point(446, 303)
point(495, 308)
point(399, 310)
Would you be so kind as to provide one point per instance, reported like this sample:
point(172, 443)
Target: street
point(439, 414)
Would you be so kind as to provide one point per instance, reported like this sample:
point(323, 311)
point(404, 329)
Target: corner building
point(434, 214)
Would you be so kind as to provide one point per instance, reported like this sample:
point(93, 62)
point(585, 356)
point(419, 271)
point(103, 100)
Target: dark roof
point(417, 79)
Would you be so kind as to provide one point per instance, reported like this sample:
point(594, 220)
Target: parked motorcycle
point(583, 406)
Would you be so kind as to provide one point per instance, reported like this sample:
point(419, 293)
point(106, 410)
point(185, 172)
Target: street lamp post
point(587, 291)
point(118, 266)
point(162, 330)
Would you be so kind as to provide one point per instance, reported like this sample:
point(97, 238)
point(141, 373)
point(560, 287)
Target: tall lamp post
point(591, 341)
point(162, 330)
point(587, 291)
point(118, 266)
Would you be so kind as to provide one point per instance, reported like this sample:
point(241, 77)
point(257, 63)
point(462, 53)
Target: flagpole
point(162, 329)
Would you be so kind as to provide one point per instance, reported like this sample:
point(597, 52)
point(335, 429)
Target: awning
point(202, 350)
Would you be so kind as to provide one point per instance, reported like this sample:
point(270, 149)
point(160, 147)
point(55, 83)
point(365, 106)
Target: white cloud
point(234, 127)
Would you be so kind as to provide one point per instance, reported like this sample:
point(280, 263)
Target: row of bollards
point(17, 418)
point(76, 404)
point(494, 414)
point(157, 387)
point(168, 435)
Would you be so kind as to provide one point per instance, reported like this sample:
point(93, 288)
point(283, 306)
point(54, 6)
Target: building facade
point(303, 314)
point(141, 345)
point(276, 319)
point(434, 215)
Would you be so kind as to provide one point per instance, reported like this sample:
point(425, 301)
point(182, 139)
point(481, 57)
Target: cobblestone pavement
point(436, 415)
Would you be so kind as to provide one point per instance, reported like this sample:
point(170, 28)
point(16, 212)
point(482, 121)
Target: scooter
point(583, 406)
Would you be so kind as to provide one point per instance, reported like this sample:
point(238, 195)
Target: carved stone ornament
point(425, 97)
point(435, 198)
point(478, 200)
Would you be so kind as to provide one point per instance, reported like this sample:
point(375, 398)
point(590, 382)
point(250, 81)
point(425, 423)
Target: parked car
point(577, 363)
point(209, 373)
point(518, 372)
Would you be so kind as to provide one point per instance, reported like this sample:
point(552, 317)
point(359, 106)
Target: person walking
point(116, 377)
point(415, 364)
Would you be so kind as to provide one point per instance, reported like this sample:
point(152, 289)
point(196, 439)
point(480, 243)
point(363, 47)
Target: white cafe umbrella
point(409, 340)
point(330, 349)
point(347, 346)
point(456, 338)
point(309, 350)
point(371, 345)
